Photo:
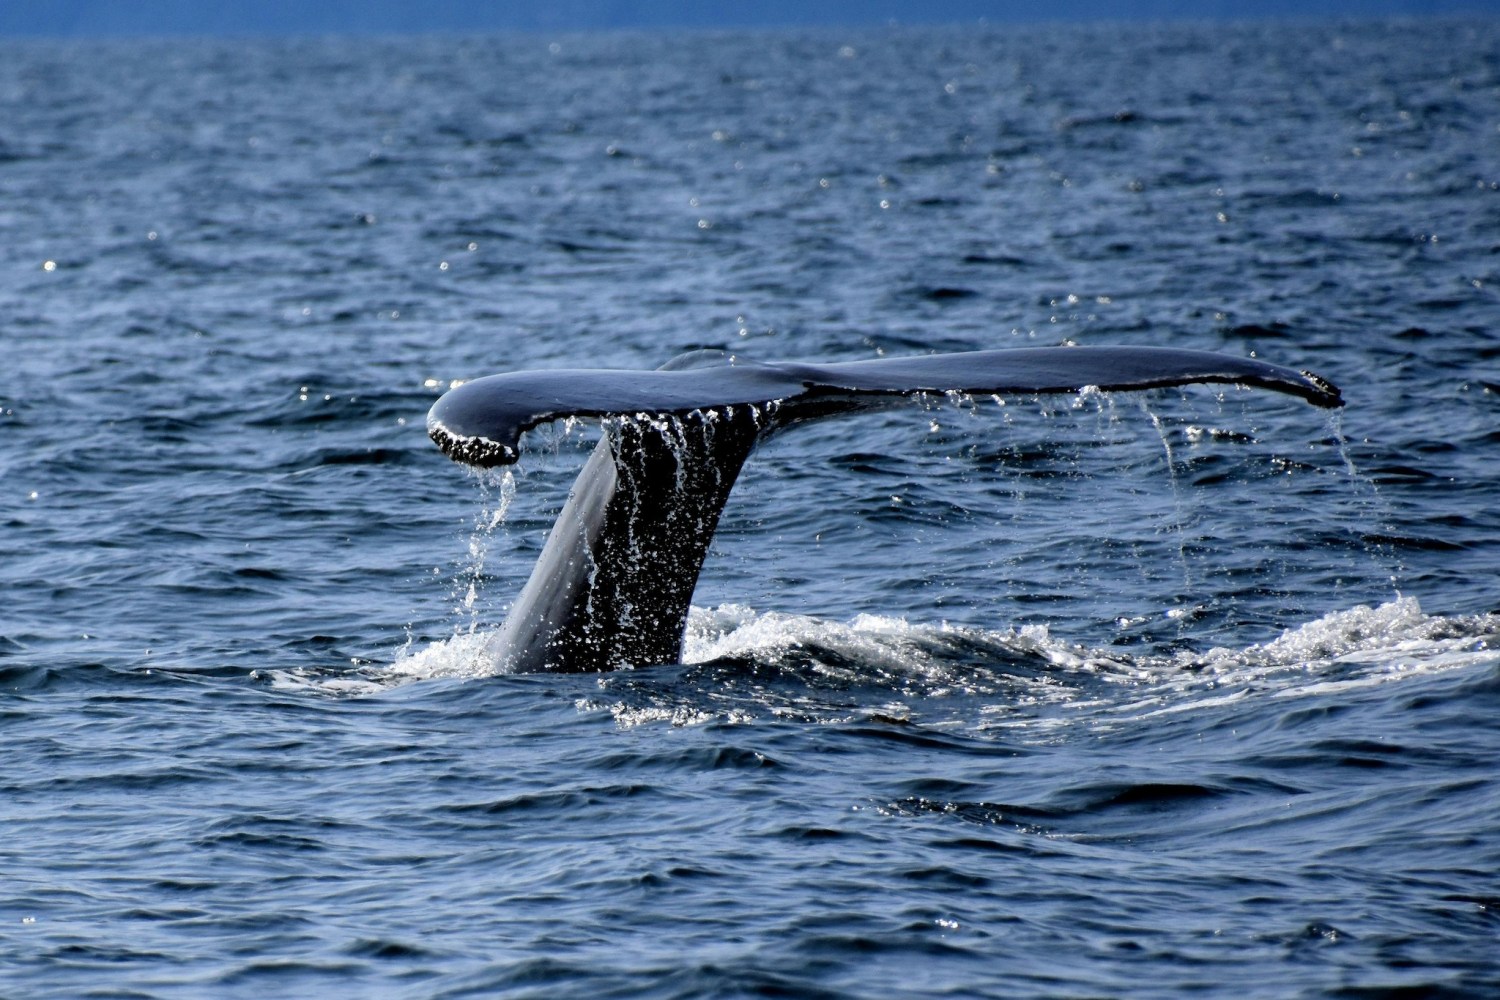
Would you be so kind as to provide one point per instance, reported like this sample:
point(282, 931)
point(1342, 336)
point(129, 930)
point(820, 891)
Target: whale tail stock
point(614, 581)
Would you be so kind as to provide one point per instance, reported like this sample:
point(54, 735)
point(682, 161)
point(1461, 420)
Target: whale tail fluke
point(615, 579)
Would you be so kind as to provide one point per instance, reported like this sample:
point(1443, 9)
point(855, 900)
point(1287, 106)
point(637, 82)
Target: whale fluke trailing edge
point(615, 579)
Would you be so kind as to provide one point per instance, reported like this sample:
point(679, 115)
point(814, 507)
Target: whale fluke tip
point(1328, 395)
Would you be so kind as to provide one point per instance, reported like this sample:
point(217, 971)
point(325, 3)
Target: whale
point(615, 578)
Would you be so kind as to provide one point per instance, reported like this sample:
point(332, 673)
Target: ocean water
point(1183, 693)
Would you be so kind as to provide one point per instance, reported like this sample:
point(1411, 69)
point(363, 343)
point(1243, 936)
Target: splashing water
point(497, 491)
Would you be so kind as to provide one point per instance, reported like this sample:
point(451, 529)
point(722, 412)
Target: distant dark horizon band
point(615, 579)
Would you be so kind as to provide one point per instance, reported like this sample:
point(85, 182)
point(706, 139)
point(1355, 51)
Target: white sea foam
point(941, 674)
point(464, 655)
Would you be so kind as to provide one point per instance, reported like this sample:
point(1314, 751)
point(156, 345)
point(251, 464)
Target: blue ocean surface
point(1190, 692)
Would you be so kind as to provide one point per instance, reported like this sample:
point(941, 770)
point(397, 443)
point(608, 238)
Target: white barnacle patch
point(470, 449)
